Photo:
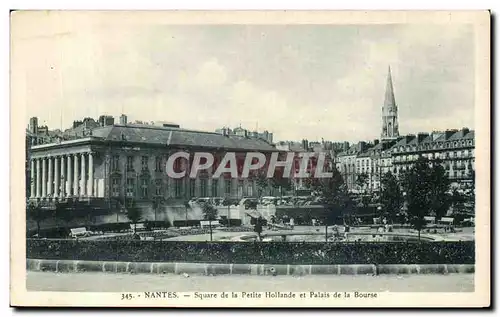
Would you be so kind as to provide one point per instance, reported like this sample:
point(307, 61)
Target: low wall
point(250, 252)
point(71, 266)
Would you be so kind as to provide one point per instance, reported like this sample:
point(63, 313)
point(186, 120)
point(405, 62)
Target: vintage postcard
point(250, 159)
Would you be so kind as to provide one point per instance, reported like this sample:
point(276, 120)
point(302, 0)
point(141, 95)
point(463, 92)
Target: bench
point(206, 223)
point(430, 219)
point(137, 226)
point(446, 220)
point(79, 232)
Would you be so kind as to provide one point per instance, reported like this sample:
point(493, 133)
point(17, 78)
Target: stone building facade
point(128, 161)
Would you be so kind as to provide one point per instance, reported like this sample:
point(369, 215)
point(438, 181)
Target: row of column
point(59, 176)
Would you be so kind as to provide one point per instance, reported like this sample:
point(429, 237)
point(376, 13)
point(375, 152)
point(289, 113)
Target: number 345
point(127, 296)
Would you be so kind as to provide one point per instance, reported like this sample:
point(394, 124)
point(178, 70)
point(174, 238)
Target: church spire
point(389, 101)
point(390, 126)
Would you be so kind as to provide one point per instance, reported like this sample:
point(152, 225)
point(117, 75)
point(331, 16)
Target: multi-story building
point(346, 164)
point(128, 161)
point(455, 148)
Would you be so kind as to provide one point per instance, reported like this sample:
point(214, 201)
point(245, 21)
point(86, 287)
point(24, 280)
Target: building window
point(115, 188)
point(130, 163)
point(115, 163)
point(227, 186)
point(158, 191)
point(249, 190)
point(144, 163)
point(192, 187)
point(178, 187)
point(240, 188)
point(158, 165)
point(130, 187)
point(203, 187)
point(215, 188)
point(144, 188)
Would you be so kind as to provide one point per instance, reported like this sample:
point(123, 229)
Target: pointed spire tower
point(390, 126)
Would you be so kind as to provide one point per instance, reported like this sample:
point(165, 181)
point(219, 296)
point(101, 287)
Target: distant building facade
point(396, 154)
point(239, 131)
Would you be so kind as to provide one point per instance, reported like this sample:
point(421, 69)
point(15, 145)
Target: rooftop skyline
point(297, 81)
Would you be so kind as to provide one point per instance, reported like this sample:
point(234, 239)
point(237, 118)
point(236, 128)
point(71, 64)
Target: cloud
point(302, 81)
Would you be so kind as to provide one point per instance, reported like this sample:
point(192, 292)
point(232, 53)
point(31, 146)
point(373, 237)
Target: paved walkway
point(102, 282)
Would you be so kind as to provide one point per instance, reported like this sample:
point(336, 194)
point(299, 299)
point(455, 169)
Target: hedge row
point(254, 252)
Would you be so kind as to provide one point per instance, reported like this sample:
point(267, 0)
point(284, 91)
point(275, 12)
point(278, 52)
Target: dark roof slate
point(180, 137)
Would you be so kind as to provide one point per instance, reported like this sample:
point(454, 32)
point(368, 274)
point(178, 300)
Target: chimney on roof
point(34, 125)
point(305, 145)
point(465, 131)
point(421, 137)
point(375, 142)
point(449, 133)
point(436, 134)
point(409, 137)
point(123, 119)
point(361, 146)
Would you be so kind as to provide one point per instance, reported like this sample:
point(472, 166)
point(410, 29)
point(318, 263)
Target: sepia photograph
point(250, 159)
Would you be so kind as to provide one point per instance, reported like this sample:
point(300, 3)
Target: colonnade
point(59, 176)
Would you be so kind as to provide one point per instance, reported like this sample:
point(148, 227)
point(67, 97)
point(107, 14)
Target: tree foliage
point(333, 194)
point(261, 182)
point(279, 181)
point(362, 180)
point(36, 213)
point(426, 187)
point(134, 213)
point(65, 213)
point(391, 197)
point(209, 212)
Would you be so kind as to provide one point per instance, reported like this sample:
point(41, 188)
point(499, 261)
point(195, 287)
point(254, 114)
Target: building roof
point(365, 154)
point(169, 136)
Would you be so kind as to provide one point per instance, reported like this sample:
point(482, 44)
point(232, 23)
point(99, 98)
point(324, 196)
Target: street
point(103, 282)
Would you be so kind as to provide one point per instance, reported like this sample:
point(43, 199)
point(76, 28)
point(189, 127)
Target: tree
point(261, 182)
point(362, 180)
point(278, 181)
point(210, 214)
point(156, 203)
point(391, 197)
point(426, 187)
point(36, 213)
point(187, 206)
point(134, 214)
point(458, 202)
point(366, 200)
point(333, 194)
point(470, 192)
point(64, 213)
point(258, 227)
point(439, 189)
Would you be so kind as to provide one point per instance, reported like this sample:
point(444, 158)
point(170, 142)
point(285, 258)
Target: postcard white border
point(481, 295)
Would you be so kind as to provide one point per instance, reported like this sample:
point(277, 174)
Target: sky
point(297, 81)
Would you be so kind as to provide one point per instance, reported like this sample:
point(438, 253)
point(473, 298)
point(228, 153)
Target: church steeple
point(389, 101)
point(390, 128)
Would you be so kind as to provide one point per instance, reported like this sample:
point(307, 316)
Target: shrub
point(254, 252)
